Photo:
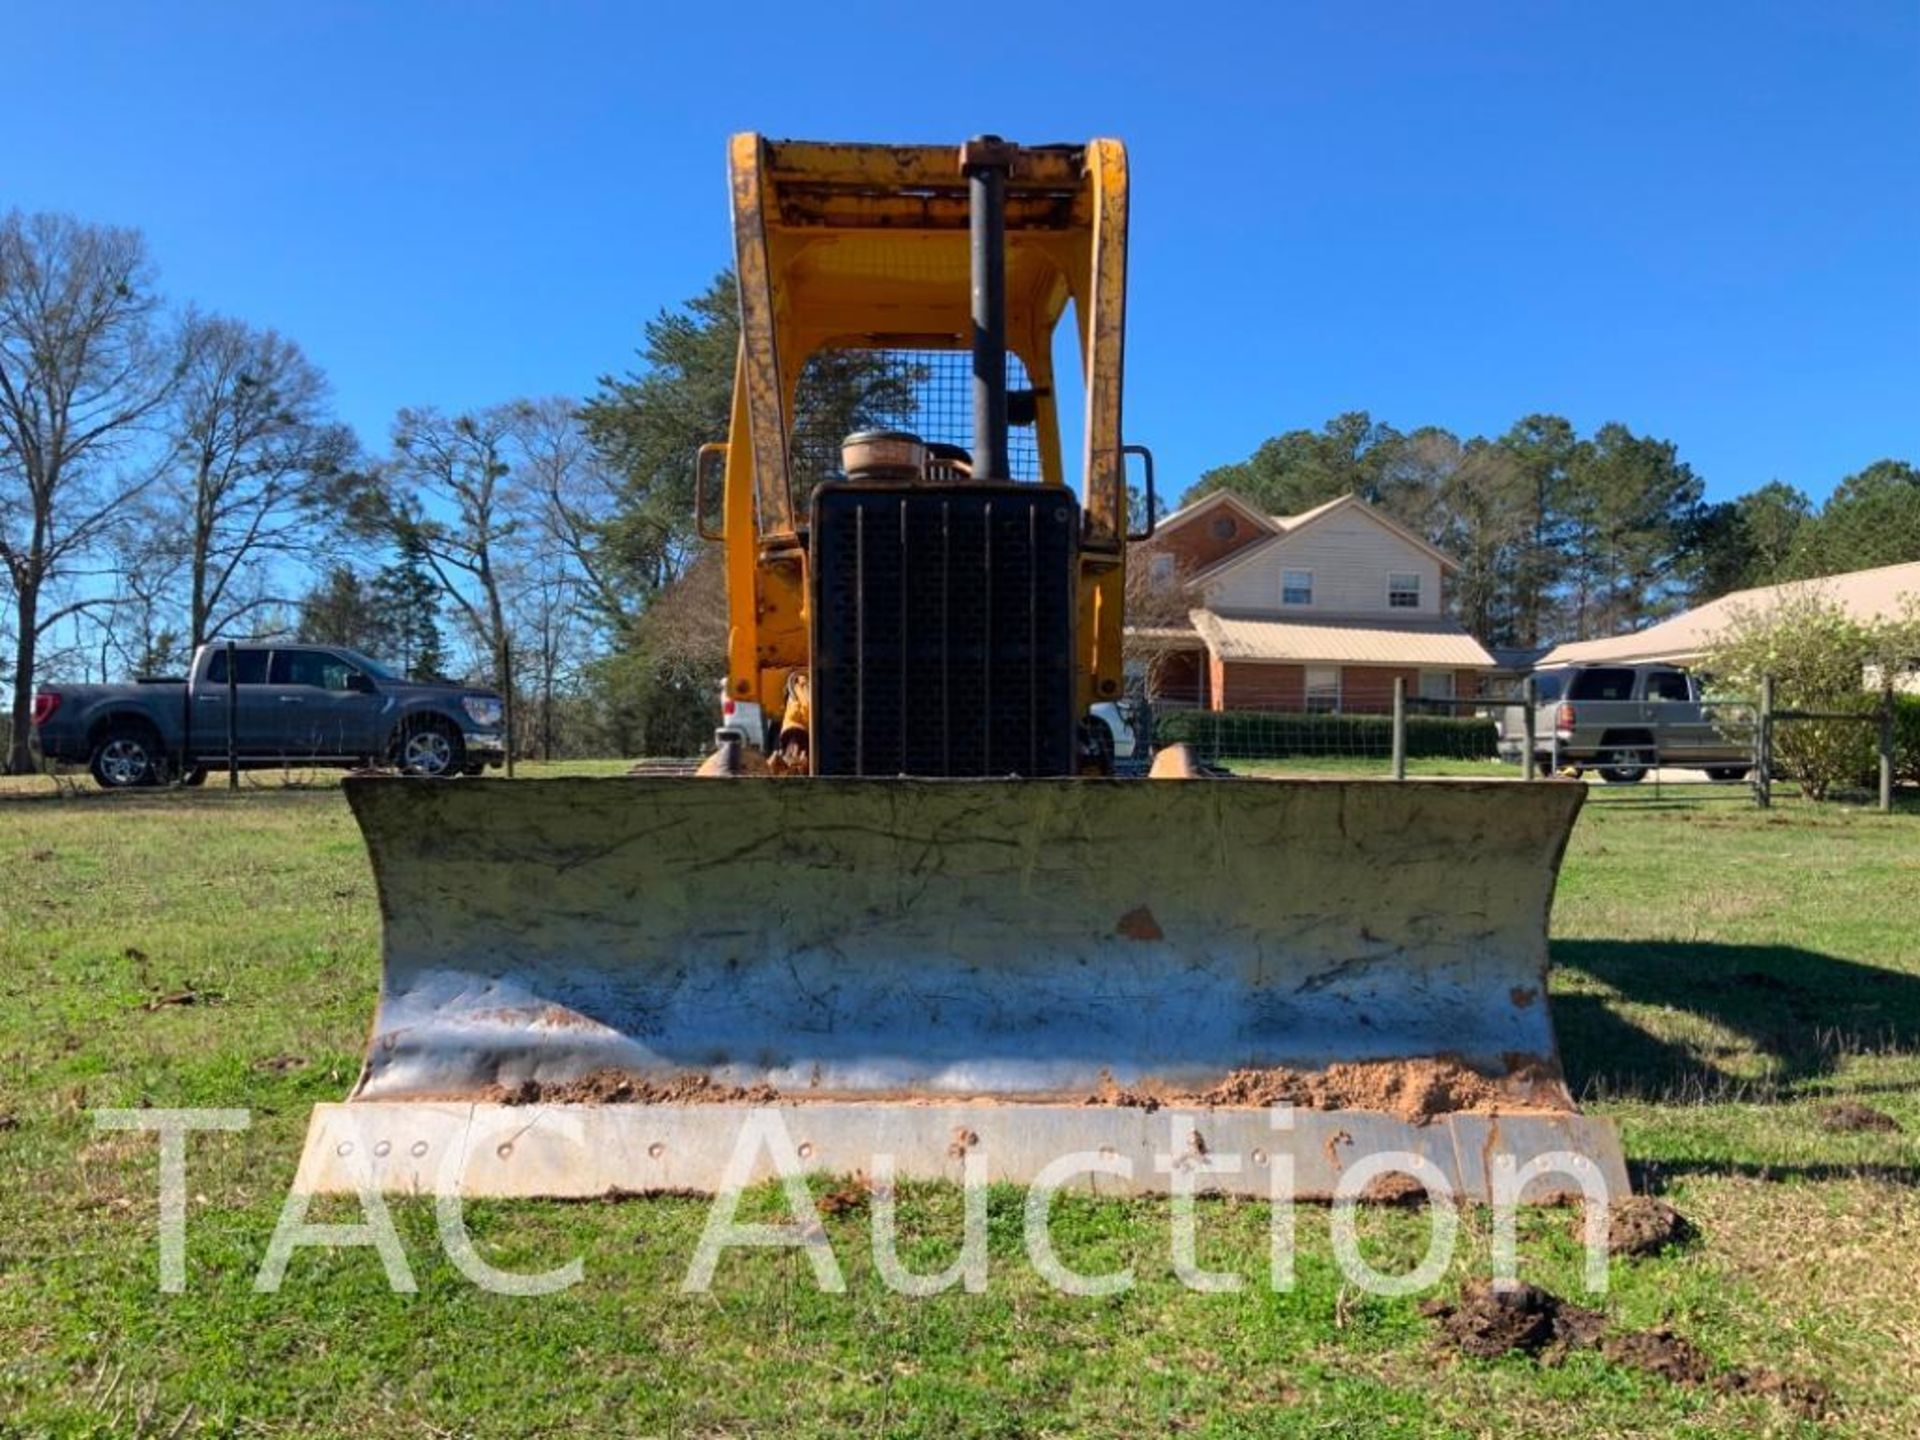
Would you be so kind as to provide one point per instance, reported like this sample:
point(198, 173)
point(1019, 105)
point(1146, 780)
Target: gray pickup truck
point(1623, 720)
point(308, 705)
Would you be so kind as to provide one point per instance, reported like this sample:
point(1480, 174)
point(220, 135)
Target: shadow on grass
point(1798, 1011)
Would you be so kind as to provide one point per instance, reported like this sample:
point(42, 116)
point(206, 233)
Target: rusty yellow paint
point(1105, 324)
point(1106, 477)
point(849, 245)
point(742, 554)
point(759, 371)
point(854, 167)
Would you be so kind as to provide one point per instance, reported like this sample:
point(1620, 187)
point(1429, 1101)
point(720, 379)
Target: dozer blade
point(629, 967)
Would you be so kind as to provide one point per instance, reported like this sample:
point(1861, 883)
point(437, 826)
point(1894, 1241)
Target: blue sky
point(1702, 219)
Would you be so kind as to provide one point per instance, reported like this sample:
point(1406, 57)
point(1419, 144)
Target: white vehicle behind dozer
point(905, 905)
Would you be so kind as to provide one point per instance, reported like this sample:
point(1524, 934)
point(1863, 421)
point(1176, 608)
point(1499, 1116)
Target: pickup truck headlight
point(482, 710)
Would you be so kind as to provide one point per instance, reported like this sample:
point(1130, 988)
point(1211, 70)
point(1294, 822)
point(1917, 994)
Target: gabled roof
point(1294, 522)
point(1875, 594)
point(1209, 501)
point(1288, 526)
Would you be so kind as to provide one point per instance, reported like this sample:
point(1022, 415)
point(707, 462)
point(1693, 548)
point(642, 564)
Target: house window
point(1436, 684)
point(1323, 688)
point(1160, 570)
point(1296, 587)
point(1403, 591)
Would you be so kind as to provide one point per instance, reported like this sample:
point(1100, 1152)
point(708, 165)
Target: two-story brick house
point(1318, 611)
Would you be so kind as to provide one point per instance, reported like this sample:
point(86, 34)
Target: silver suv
point(1622, 720)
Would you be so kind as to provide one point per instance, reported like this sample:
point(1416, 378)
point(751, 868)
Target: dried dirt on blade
point(1416, 1091)
point(614, 1087)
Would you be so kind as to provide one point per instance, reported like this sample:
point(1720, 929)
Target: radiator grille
point(943, 630)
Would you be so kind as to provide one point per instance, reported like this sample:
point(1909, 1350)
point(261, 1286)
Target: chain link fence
point(1741, 749)
point(1428, 737)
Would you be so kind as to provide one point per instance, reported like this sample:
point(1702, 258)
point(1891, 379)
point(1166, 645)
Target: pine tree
point(406, 602)
point(341, 611)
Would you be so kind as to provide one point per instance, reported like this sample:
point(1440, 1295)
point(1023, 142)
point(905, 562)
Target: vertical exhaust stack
point(987, 161)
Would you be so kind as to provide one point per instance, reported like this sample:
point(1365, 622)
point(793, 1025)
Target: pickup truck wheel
point(1622, 767)
point(431, 753)
point(124, 759)
point(195, 777)
point(1727, 772)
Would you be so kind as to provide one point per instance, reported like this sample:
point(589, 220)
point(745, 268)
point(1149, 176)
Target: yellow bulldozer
point(907, 905)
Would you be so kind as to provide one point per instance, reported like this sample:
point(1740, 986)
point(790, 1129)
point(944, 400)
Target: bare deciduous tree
point(445, 492)
point(684, 628)
point(141, 625)
point(546, 616)
point(251, 442)
point(571, 494)
point(1160, 597)
point(80, 378)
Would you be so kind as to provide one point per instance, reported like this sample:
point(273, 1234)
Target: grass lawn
point(1723, 973)
point(1352, 765)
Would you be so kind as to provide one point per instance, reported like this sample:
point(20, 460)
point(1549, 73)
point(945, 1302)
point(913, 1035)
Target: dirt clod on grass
point(1490, 1320)
point(848, 1198)
point(1641, 1225)
point(1807, 1398)
point(615, 1087)
point(191, 995)
point(1416, 1090)
point(1850, 1117)
point(1659, 1352)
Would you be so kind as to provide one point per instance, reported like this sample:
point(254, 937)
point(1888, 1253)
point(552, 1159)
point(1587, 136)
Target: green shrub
point(1820, 658)
point(1258, 735)
point(1906, 739)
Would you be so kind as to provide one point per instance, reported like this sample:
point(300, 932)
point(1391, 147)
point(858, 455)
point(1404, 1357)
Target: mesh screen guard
point(926, 392)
